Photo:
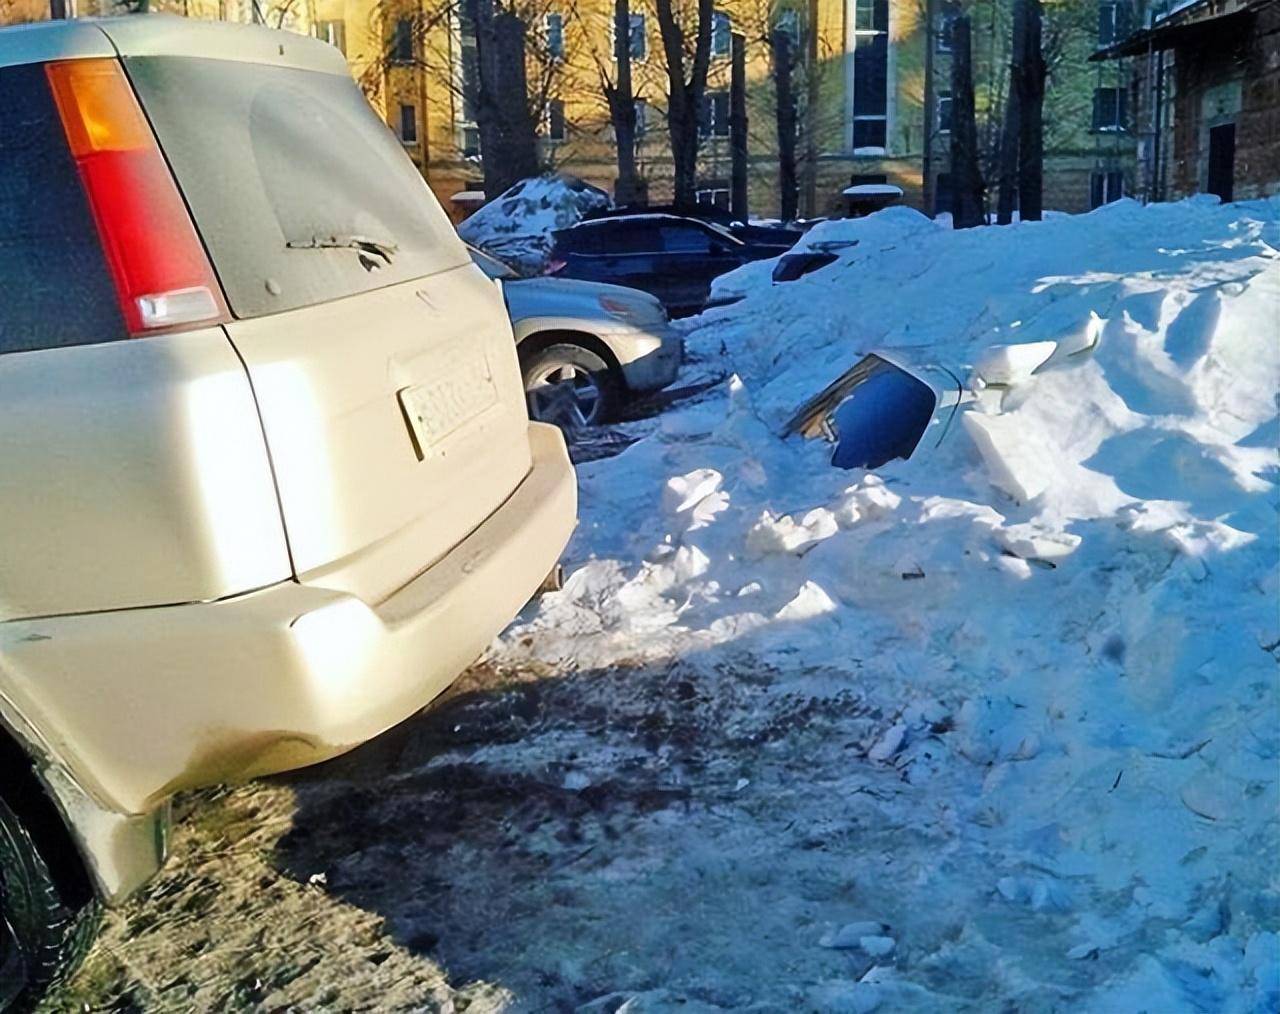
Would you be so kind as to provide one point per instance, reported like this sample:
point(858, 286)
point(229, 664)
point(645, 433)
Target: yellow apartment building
point(862, 87)
point(863, 108)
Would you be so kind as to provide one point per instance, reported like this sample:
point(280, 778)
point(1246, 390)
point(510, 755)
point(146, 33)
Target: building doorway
point(1222, 161)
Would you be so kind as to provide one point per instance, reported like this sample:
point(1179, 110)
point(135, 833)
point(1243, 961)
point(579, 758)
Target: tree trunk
point(928, 188)
point(783, 64)
point(519, 155)
point(966, 177)
point(1030, 115)
point(813, 99)
point(738, 126)
point(684, 97)
point(508, 139)
point(622, 107)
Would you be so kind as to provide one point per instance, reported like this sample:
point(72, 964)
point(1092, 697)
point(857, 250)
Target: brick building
point(1206, 90)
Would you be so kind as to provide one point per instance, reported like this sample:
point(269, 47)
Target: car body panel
point(135, 475)
point(631, 324)
point(648, 350)
point(167, 35)
point(139, 704)
point(363, 513)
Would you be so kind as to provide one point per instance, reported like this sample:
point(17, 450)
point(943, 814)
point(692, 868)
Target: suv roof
point(165, 35)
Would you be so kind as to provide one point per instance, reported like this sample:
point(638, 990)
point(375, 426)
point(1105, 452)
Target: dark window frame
point(408, 131)
point(403, 47)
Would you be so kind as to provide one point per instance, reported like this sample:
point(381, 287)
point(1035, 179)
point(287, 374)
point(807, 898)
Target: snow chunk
point(810, 601)
point(773, 534)
point(851, 935)
point(1033, 542)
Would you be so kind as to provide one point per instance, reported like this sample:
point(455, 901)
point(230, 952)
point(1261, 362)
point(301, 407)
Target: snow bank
point(517, 226)
point(1065, 616)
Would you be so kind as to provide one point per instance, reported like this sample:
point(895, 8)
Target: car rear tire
point(570, 386)
point(43, 938)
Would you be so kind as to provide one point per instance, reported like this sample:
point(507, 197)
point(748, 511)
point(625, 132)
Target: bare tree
point(497, 75)
point(783, 66)
point(620, 96)
point(966, 176)
point(1009, 146)
point(508, 138)
point(739, 191)
point(685, 94)
point(1028, 86)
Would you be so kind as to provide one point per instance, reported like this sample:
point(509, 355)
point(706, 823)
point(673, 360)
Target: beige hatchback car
point(267, 480)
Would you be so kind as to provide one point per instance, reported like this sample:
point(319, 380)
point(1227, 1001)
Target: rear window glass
point(300, 192)
point(56, 287)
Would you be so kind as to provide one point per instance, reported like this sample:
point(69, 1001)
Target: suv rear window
point(57, 288)
point(606, 237)
point(300, 192)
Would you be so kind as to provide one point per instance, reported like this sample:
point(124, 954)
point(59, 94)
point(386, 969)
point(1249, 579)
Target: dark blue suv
point(671, 256)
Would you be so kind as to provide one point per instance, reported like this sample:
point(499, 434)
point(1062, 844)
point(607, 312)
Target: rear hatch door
point(380, 357)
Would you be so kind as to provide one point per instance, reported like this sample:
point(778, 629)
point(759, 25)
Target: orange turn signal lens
point(162, 275)
point(97, 107)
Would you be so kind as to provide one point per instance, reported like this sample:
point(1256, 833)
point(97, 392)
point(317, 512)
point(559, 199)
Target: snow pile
point(517, 226)
point(1063, 618)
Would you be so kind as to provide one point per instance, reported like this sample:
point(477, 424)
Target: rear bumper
point(138, 704)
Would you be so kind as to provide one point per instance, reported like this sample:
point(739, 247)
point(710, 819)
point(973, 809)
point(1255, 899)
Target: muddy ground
point(532, 842)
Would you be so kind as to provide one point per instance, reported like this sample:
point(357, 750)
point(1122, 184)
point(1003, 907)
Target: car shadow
point(525, 833)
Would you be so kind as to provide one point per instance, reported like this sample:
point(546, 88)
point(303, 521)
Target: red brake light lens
point(162, 275)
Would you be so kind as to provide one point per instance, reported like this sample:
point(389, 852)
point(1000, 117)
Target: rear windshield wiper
point(363, 244)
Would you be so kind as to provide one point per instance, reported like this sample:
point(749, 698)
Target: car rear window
point(57, 288)
point(300, 192)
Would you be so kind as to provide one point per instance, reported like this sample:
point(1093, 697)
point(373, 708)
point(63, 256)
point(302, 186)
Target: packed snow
point(517, 225)
point(1046, 645)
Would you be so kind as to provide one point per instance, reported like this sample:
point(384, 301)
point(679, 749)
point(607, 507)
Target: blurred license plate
point(441, 407)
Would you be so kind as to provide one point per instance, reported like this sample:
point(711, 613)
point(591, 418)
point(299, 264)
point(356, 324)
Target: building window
point(944, 112)
point(714, 193)
point(1109, 113)
point(942, 37)
point(714, 118)
point(555, 123)
point(870, 75)
point(408, 123)
point(553, 27)
point(1105, 186)
point(469, 142)
point(639, 40)
point(721, 34)
point(642, 117)
point(1113, 21)
point(332, 32)
point(402, 41)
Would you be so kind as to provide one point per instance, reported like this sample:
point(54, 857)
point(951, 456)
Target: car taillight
point(554, 265)
point(161, 272)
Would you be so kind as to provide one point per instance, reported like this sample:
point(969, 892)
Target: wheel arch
point(537, 341)
point(29, 796)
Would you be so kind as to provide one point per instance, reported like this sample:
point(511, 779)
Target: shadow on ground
point(575, 839)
